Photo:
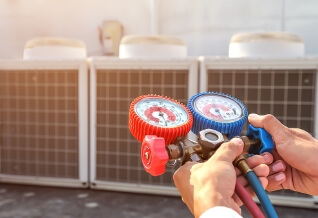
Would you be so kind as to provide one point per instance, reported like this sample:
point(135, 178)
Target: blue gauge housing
point(200, 122)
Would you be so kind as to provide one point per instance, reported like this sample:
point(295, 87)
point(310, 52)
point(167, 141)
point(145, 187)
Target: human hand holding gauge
point(157, 121)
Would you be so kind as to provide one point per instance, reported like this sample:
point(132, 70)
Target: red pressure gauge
point(160, 116)
point(157, 117)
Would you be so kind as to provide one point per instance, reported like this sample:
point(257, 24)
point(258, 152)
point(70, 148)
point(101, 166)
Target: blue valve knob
point(267, 143)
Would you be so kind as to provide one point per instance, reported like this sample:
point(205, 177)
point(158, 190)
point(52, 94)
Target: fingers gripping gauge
point(218, 111)
point(157, 117)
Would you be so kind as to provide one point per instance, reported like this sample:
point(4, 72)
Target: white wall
point(205, 25)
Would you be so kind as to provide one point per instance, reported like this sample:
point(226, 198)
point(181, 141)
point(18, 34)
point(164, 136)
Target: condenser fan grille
point(288, 94)
point(117, 152)
point(39, 123)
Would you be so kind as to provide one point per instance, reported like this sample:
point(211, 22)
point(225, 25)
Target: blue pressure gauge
point(218, 111)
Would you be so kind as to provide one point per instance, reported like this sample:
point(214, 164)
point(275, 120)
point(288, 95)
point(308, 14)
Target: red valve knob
point(154, 155)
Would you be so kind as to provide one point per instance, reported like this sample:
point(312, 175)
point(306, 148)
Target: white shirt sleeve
point(219, 211)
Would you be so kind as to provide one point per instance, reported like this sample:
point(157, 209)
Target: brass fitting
point(250, 145)
point(210, 139)
point(240, 162)
point(174, 151)
point(247, 143)
point(193, 155)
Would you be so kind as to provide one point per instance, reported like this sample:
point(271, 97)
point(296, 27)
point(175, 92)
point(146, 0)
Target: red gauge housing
point(139, 127)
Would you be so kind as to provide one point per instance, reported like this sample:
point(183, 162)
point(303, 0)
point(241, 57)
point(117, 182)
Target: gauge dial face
point(161, 112)
point(218, 108)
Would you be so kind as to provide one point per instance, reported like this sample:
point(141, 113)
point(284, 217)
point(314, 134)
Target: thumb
point(229, 151)
point(271, 124)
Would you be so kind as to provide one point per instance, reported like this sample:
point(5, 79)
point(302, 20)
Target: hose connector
point(240, 162)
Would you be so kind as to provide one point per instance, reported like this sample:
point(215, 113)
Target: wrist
point(218, 199)
point(212, 199)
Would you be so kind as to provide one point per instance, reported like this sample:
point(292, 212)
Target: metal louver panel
point(115, 158)
point(43, 116)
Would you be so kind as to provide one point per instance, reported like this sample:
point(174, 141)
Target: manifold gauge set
point(162, 125)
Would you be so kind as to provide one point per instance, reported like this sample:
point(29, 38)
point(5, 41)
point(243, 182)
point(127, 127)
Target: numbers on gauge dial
point(161, 112)
point(218, 108)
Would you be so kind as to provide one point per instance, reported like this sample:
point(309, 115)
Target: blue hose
point(261, 194)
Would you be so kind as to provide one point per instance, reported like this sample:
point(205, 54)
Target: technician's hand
point(296, 150)
point(209, 184)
